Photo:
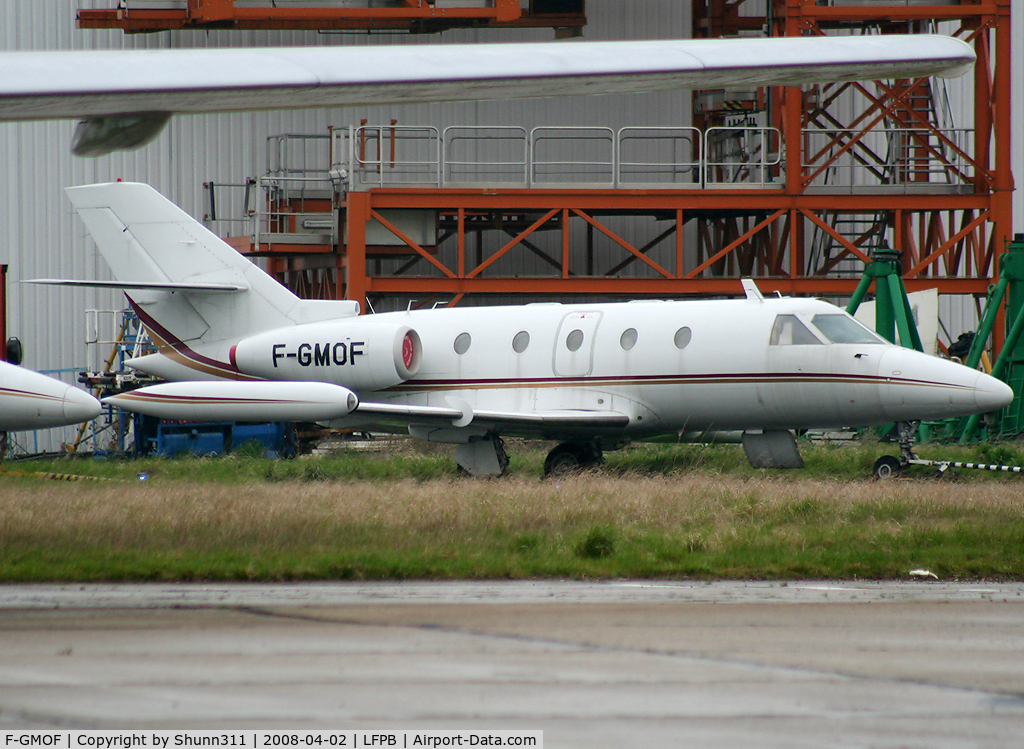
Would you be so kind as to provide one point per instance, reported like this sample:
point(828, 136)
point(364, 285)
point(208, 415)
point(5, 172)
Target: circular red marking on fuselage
point(408, 351)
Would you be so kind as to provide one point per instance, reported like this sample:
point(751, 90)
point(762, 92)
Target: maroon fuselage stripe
point(158, 331)
point(673, 379)
point(28, 394)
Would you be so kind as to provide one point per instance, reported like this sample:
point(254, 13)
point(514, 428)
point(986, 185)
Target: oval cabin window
point(574, 340)
point(521, 341)
point(682, 339)
point(462, 343)
point(628, 339)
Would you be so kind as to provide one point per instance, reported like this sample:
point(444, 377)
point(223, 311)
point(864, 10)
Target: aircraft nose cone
point(991, 394)
point(80, 406)
point(919, 386)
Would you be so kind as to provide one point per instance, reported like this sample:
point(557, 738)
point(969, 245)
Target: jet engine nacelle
point(360, 355)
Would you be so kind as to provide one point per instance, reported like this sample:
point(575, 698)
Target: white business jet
point(237, 345)
point(29, 400)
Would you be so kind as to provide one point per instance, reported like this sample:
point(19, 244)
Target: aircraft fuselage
point(771, 364)
point(673, 366)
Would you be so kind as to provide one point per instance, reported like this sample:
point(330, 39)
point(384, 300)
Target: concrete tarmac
point(610, 664)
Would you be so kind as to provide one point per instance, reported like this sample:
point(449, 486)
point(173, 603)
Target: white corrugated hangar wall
point(41, 238)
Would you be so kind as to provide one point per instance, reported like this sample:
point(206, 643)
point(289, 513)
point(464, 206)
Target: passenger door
point(574, 344)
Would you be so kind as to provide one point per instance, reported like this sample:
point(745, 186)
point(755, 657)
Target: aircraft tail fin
point(174, 271)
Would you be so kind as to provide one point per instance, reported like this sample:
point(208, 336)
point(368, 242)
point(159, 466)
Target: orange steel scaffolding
point(745, 235)
point(403, 15)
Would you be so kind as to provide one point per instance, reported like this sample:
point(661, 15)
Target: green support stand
point(892, 308)
point(1009, 365)
point(893, 313)
point(893, 316)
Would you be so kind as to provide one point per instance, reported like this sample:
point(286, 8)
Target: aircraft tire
point(572, 457)
point(888, 466)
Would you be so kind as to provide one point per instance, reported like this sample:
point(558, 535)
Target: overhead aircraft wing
point(126, 96)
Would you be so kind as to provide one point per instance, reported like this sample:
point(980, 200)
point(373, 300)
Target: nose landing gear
point(888, 466)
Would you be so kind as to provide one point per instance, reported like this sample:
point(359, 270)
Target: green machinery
point(892, 308)
point(1009, 365)
point(893, 316)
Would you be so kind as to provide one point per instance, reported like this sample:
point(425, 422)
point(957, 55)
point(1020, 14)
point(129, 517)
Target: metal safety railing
point(297, 210)
point(653, 157)
point(645, 157)
point(119, 329)
point(382, 155)
point(228, 204)
point(369, 156)
point(485, 156)
point(576, 156)
point(906, 158)
point(303, 171)
point(747, 156)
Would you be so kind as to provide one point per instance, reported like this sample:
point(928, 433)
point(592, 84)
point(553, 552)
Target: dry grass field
point(665, 515)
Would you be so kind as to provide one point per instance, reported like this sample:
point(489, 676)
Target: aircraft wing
point(391, 413)
point(319, 401)
point(126, 96)
point(531, 423)
point(563, 419)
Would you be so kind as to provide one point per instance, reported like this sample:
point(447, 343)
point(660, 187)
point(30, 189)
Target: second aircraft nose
point(80, 406)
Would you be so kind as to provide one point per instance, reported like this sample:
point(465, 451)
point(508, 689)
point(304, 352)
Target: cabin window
point(462, 343)
point(682, 338)
point(628, 339)
point(574, 340)
point(844, 329)
point(789, 331)
point(521, 341)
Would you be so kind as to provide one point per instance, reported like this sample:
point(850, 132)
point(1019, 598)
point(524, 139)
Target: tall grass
point(656, 511)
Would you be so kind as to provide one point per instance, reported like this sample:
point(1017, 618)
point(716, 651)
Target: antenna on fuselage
point(750, 288)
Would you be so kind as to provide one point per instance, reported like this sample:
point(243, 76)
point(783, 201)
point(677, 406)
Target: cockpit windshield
point(844, 329)
point(793, 330)
point(789, 330)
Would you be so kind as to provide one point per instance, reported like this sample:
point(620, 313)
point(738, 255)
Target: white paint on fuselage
point(29, 400)
point(726, 377)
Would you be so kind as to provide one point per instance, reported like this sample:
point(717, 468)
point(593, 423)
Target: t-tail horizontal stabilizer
point(154, 286)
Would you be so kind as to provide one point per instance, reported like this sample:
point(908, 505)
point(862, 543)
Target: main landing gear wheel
point(888, 466)
point(572, 457)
